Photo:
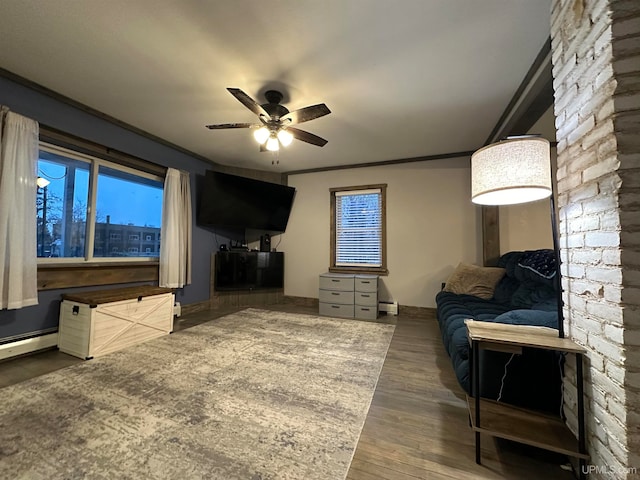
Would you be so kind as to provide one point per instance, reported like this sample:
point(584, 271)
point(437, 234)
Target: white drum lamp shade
point(511, 171)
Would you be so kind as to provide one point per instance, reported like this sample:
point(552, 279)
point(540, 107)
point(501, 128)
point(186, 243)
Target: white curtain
point(175, 234)
point(18, 172)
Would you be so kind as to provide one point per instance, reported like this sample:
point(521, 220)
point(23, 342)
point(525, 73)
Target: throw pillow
point(473, 280)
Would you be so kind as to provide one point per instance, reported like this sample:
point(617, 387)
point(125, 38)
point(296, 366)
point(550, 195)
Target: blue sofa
point(526, 295)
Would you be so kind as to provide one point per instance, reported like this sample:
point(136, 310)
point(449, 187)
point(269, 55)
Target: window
point(61, 205)
point(89, 205)
point(358, 229)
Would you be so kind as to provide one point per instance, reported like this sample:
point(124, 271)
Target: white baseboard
point(29, 345)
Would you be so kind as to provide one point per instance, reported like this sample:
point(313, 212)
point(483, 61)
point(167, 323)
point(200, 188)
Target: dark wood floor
point(417, 426)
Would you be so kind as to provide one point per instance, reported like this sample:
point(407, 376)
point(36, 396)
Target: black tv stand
point(245, 270)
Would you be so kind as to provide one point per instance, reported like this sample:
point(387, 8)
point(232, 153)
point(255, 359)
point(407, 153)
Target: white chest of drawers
point(348, 295)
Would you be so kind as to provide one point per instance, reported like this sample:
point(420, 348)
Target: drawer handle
point(365, 296)
point(335, 293)
point(366, 281)
point(365, 309)
point(337, 281)
point(335, 306)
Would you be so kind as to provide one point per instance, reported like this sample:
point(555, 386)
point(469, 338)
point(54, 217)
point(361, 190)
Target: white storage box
point(103, 321)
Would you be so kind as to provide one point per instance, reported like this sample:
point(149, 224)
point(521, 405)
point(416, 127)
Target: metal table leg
point(582, 447)
point(476, 393)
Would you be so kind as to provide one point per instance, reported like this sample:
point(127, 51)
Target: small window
point(114, 236)
point(358, 229)
point(148, 238)
point(134, 237)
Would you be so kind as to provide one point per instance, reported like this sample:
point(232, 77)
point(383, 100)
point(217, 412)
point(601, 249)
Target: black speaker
point(265, 243)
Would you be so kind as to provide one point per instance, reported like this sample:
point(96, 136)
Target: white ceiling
point(403, 78)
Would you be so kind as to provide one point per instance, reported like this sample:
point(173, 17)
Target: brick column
point(596, 69)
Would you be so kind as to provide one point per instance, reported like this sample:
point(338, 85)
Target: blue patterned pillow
point(539, 262)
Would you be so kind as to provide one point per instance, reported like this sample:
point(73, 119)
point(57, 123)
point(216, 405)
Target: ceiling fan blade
point(230, 125)
point(248, 102)
point(307, 137)
point(305, 114)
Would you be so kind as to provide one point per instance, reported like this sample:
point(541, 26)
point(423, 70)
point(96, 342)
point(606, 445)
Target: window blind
point(359, 228)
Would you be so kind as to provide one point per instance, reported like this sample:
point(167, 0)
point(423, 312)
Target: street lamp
point(42, 184)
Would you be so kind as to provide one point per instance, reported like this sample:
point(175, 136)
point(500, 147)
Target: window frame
point(54, 276)
point(378, 270)
point(94, 166)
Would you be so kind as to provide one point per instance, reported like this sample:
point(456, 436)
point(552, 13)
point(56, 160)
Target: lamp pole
point(44, 217)
point(556, 251)
point(41, 184)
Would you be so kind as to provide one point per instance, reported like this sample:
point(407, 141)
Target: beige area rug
point(255, 395)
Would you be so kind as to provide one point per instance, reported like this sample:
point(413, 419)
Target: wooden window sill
point(52, 276)
point(360, 270)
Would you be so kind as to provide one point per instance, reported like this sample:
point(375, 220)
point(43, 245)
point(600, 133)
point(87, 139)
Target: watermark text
point(609, 470)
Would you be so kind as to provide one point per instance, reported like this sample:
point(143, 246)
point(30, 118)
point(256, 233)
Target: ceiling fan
point(275, 128)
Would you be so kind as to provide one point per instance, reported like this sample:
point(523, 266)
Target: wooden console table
point(518, 424)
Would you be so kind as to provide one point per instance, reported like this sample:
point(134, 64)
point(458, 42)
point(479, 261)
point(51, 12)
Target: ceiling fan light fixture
point(261, 135)
point(272, 144)
point(285, 138)
point(276, 120)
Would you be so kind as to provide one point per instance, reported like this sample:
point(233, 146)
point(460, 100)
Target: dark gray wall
point(62, 116)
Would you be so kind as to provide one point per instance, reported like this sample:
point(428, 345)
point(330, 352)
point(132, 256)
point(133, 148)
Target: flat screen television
point(232, 202)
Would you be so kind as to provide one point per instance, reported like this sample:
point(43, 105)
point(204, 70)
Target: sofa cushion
point(509, 284)
point(470, 279)
point(538, 318)
point(526, 296)
point(505, 289)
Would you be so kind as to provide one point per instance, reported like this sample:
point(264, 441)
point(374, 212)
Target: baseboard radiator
point(391, 308)
point(28, 345)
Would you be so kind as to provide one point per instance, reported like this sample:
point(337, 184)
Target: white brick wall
point(596, 68)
